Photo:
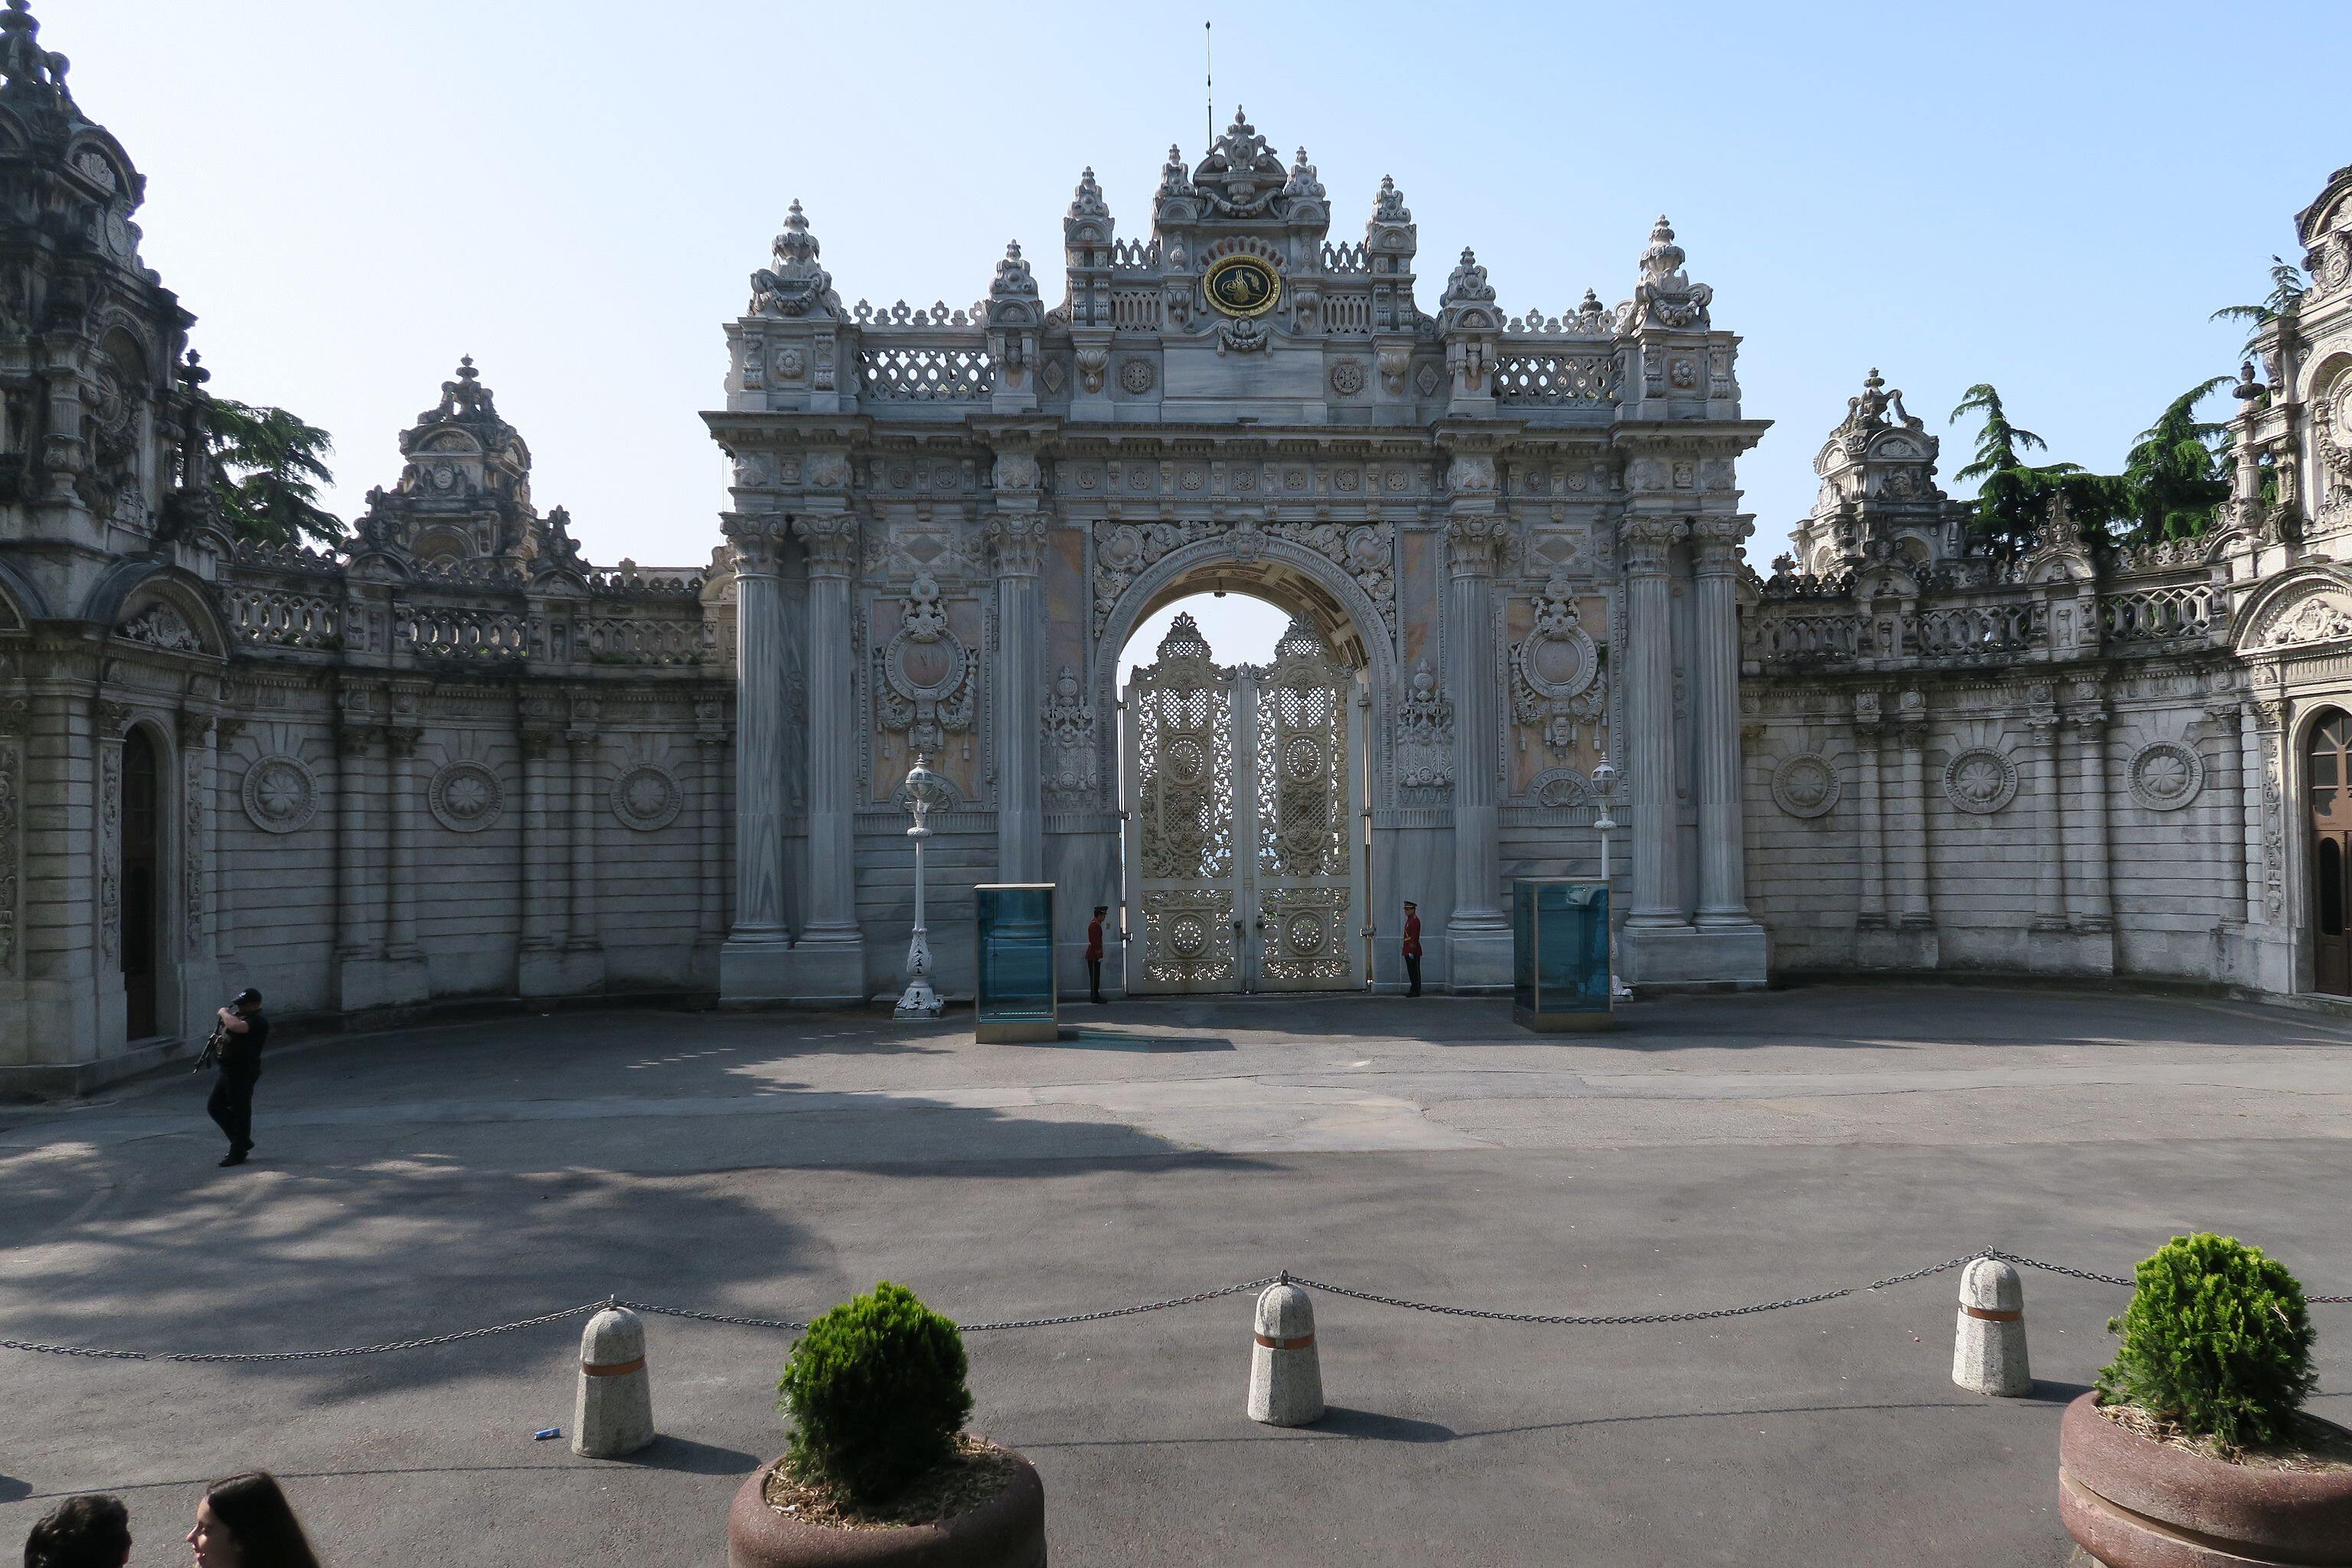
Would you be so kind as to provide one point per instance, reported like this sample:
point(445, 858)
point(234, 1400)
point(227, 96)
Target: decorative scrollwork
point(1555, 668)
point(923, 675)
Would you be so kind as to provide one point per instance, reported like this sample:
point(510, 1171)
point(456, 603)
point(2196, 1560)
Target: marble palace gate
point(1245, 842)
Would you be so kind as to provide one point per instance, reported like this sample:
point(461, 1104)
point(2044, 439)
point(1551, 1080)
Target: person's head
point(249, 1001)
point(246, 1521)
point(1101, 910)
point(91, 1531)
point(1411, 905)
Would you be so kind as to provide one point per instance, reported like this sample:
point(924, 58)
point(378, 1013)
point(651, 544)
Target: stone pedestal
point(1679, 957)
point(755, 974)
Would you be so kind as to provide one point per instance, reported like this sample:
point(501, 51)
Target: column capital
point(2269, 713)
point(194, 727)
point(1018, 539)
point(1717, 541)
point(1473, 540)
point(831, 539)
point(400, 740)
point(1645, 538)
point(756, 542)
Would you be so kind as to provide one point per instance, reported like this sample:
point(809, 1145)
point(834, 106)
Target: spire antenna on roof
point(1208, 76)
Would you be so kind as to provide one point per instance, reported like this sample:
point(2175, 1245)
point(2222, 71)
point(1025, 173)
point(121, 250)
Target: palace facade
point(452, 760)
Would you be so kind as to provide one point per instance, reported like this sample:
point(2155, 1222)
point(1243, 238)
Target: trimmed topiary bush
point(877, 1393)
point(2217, 1341)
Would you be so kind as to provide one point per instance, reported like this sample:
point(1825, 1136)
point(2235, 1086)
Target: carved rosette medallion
point(923, 674)
point(646, 798)
point(1555, 672)
point(465, 796)
point(2166, 775)
point(1806, 786)
point(281, 793)
point(1980, 781)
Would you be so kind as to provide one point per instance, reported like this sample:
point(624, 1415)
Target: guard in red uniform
point(1412, 946)
point(1094, 953)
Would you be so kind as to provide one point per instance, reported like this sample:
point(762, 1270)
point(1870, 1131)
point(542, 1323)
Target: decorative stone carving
point(1806, 786)
point(1559, 788)
point(1069, 725)
point(796, 285)
point(160, 625)
point(110, 850)
point(1980, 781)
point(1555, 670)
point(2319, 618)
point(1395, 360)
point(2166, 775)
point(465, 796)
point(923, 675)
point(1092, 363)
point(1666, 297)
point(280, 793)
point(1136, 376)
point(1425, 734)
point(1124, 551)
point(10, 816)
point(1347, 377)
point(646, 797)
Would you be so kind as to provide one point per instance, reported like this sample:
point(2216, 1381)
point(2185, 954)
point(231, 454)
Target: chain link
point(1561, 1320)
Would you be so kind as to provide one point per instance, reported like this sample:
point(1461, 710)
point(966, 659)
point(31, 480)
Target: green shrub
point(877, 1393)
point(2217, 1339)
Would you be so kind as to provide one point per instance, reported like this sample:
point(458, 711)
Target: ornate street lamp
point(925, 790)
point(1604, 785)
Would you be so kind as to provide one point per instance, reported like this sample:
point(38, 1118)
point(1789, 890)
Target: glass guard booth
point(1013, 997)
point(1559, 955)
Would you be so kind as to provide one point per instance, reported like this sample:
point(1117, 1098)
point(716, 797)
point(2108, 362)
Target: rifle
point(212, 1051)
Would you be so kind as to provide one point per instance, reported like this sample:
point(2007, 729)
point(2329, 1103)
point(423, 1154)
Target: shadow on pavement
point(685, 1456)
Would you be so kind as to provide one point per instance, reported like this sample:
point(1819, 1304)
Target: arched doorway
point(1245, 848)
point(2327, 788)
point(143, 827)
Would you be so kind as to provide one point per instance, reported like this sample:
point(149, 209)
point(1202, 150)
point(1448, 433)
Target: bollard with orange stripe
point(1286, 1372)
point(1989, 1351)
point(614, 1412)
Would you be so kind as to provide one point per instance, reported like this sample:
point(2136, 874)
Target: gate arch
point(1328, 597)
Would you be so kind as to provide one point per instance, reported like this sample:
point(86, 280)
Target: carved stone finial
point(1089, 201)
point(1388, 206)
point(1665, 297)
point(1014, 278)
point(1468, 282)
point(1303, 185)
point(1175, 179)
point(797, 284)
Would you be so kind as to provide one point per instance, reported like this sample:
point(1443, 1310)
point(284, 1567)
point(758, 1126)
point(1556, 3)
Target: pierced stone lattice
point(1555, 378)
point(926, 376)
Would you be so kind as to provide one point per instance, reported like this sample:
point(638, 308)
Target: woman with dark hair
point(81, 1532)
point(246, 1521)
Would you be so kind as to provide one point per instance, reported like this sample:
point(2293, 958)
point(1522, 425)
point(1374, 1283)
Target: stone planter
point(1006, 1531)
point(2135, 1503)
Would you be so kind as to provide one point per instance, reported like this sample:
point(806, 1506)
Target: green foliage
point(2285, 298)
point(2217, 1339)
point(876, 1390)
point(2014, 497)
point(267, 465)
point(2175, 475)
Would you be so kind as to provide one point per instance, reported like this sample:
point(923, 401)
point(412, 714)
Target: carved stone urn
point(1007, 1531)
point(2133, 1502)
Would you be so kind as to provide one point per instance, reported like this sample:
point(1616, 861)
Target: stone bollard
point(1989, 1353)
point(1286, 1370)
point(614, 1412)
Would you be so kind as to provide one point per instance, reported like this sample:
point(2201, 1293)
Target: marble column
point(763, 714)
point(2248, 808)
point(831, 539)
point(709, 827)
point(2093, 902)
point(399, 843)
point(580, 925)
point(1715, 664)
point(1648, 544)
point(1872, 845)
point(1015, 687)
point(542, 876)
point(1478, 953)
point(354, 926)
point(2050, 849)
point(1912, 739)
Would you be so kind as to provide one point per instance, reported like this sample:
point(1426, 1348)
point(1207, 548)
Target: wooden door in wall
point(2327, 783)
point(143, 807)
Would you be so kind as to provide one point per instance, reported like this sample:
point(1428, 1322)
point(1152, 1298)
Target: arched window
point(2328, 792)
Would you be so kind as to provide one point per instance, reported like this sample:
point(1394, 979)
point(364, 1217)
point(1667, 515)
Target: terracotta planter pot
point(1006, 1531)
point(2135, 1503)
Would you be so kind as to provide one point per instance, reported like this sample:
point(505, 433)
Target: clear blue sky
point(2051, 197)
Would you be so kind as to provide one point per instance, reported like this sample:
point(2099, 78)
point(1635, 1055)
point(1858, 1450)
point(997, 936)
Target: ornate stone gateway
point(1244, 864)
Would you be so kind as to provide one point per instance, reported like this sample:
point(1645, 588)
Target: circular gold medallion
point(1241, 285)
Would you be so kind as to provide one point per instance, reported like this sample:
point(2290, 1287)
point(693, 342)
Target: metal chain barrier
point(1560, 1319)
